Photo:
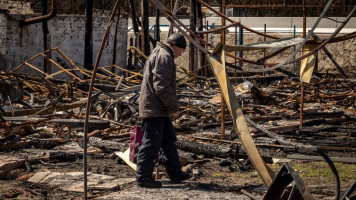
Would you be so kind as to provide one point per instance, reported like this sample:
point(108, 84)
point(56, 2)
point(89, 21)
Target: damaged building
point(266, 91)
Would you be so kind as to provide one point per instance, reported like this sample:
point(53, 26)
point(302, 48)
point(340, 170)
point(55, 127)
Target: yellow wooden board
point(125, 156)
point(217, 61)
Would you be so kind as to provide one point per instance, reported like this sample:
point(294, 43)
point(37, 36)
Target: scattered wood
point(107, 145)
point(206, 149)
point(72, 181)
point(53, 106)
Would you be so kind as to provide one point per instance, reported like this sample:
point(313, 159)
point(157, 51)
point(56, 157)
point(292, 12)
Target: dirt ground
point(212, 178)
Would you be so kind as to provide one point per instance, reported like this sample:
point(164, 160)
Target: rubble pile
point(47, 113)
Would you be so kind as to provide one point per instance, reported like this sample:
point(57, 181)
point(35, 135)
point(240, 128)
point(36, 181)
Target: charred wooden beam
point(115, 42)
point(133, 16)
point(193, 20)
point(107, 145)
point(44, 144)
point(145, 27)
point(15, 146)
point(42, 18)
point(79, 123)
point(201, 55)
point(45, 33)
point(206, 149)
point(88, 47)
point(129, 61)
point(158, 28)
point(64, 156)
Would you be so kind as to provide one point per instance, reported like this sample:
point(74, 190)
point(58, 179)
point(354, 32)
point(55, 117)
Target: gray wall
point(19, 44)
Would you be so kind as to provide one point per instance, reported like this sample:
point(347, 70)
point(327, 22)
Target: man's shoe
point(149, 183)
point(180, 177)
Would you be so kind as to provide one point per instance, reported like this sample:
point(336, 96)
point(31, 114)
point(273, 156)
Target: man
point(157, 104)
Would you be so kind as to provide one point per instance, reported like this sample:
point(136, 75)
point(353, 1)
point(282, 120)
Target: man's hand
point(175, 115)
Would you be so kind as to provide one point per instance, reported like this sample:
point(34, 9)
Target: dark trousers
point(158, 132)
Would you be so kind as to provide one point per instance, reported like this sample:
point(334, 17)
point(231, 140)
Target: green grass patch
point(320, 172)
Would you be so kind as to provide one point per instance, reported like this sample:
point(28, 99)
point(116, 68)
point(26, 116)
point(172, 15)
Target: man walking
point(157, 104)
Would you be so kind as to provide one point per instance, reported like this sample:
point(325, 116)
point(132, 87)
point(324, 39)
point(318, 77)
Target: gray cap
point(177, 40)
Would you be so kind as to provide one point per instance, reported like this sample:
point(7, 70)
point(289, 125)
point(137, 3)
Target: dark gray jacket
point(158, 90)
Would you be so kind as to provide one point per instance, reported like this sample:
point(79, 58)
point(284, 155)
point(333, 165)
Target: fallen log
point(206, 149)
point(107, 145)
point(15, 146)
point(7, 164)
point(51, 110)
point(37, 143)
point(93, 124)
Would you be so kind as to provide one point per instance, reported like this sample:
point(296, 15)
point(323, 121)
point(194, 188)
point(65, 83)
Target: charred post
point(193, 20)
point(158, 29)
point(201, 55)
point(88, 46)
point(145, 27)
point(115, 42)
point(45, 33)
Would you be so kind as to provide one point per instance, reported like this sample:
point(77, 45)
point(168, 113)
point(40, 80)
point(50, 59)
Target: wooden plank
point(125, 157)
point(79, 123)
point(217, 61)
point(48, 111)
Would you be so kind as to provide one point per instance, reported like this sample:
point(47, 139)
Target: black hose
point(333, 169)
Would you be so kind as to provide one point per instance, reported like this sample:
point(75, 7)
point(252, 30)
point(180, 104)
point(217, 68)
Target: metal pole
point(222, 97)
point(48, 54)
point(302, 83)
point(294, 30)
point(145, 28)
point(200, 25)
point(264, 50)
point(157, 26)
point(241, 41)
point(192, 16)
point(235, 73)
point(206, 46)
point(172, 5)
point(154, 32)
point(86, 120)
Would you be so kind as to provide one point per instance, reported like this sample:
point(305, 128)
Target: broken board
point(125, 156)
point(73, 181)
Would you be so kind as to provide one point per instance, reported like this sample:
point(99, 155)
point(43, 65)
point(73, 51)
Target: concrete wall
point(19, 44)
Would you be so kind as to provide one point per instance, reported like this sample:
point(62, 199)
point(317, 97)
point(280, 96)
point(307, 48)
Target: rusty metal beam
point(88, 106)
point(218, 29)
point(232, 21)
point(42, 18)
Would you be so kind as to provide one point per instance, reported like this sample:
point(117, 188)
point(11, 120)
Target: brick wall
point(19, 44)
point(16, 7)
